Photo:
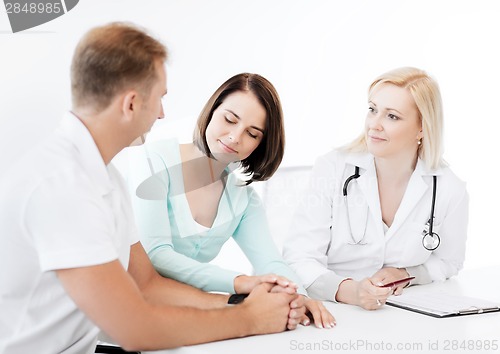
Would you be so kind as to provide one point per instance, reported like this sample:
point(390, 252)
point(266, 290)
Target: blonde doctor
point(384, 207)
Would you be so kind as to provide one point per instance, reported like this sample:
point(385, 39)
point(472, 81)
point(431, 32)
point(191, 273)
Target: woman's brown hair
point(266, 158)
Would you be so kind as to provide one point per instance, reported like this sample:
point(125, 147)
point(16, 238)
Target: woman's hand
point(321, 316)
point(244, 284)
point(365, 293)
point(389, 275)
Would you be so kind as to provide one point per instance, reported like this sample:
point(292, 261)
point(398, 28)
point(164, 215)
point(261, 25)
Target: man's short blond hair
point(111, 59)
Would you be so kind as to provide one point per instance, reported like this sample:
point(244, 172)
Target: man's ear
point(130, 104)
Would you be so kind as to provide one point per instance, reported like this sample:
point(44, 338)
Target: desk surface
point(386, 330)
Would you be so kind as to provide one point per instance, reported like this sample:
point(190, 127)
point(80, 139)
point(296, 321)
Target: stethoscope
point(355, 235)
point(430, 239)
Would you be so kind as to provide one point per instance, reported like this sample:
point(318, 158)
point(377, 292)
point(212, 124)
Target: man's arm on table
point(159, 290)
point(140, 310)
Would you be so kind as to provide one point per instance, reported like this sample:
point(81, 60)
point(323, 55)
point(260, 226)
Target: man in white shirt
point(70, 259)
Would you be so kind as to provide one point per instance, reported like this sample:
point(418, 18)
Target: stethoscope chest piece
point(431, 241)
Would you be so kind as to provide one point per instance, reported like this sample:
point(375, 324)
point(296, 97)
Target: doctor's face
point(393, 127)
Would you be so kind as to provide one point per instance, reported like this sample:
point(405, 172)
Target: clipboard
point(441, 305)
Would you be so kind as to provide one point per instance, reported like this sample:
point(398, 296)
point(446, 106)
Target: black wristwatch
point(236, 298)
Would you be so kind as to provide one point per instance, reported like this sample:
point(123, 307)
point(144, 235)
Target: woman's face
point(393, 126)
point(237, 127)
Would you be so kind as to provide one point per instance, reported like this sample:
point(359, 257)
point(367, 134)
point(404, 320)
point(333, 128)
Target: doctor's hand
point(244, 284)
point(365, 293)
point(389, 275)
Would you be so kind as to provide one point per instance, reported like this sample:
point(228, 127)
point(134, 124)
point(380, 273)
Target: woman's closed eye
point(229, 120)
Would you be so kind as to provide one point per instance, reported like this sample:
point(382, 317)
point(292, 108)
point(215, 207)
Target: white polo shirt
point(60, 207)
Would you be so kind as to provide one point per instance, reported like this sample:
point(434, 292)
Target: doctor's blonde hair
point(427, 97)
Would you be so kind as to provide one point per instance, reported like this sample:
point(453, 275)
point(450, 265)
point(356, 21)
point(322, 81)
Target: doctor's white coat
point(324, 248)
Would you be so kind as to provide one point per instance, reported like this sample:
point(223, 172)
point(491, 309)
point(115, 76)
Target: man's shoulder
point(54, 158)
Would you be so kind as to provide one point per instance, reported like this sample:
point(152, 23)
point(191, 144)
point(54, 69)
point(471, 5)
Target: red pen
point(397, 282)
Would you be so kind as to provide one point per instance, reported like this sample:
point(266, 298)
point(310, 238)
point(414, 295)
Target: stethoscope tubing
point(434, 187)
point(434, 237)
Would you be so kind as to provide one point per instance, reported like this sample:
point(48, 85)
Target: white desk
point(386, 330)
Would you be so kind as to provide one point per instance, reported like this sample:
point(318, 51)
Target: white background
point(320, 54)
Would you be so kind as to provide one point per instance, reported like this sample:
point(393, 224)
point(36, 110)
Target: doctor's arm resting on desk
point(188, 201)
point(384, 207)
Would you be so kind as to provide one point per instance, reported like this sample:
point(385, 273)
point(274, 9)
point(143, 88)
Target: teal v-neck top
point(177, 245)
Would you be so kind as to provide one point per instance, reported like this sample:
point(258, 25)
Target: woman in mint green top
point(189, 202)
point(180, 247)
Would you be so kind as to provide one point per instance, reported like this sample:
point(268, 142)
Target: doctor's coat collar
point(420, 182)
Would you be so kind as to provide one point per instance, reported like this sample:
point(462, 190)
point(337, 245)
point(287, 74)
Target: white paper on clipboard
point(441, 304)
